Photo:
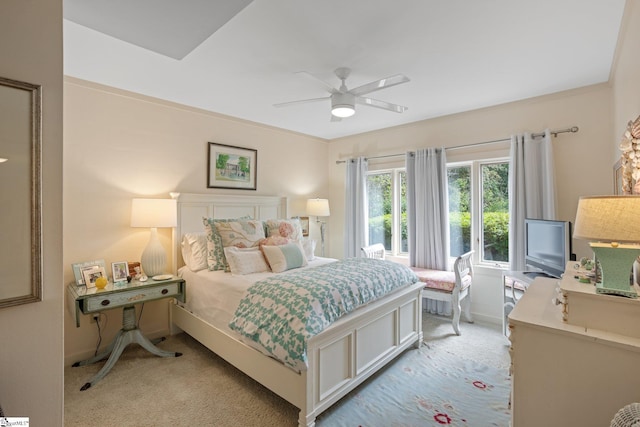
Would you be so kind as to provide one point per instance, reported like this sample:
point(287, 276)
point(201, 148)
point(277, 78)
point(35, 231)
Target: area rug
point(427, 388)
point(450, 381)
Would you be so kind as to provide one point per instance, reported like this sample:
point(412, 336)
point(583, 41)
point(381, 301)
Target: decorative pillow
point(309, 246)
point(194, 251)
point(241, 233)
point(215, 251)
point(285, 257)
point(245, 261)
point(274, 241)
point(289, 228)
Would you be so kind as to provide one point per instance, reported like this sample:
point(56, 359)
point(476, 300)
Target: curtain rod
point(572, 129)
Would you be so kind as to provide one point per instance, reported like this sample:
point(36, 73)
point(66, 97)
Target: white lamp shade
point(153, 213)
point(318, 207)
point(608, 219)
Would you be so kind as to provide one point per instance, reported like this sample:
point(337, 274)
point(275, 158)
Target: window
point(485, 221)
point(495, 212)
point(459, 178)
point(478, 209)
point(387, 222)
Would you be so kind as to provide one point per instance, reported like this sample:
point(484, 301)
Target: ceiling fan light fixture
point(343, 111)
point(343, 105)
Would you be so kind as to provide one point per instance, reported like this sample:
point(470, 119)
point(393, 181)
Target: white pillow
point(285, 257)
point(309, 246)
point(194, 251)
point(245, 260)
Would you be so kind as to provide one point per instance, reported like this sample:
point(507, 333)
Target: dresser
point(575, 355)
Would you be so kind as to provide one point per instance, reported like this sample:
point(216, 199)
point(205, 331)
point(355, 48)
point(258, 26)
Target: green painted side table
point(125, 295)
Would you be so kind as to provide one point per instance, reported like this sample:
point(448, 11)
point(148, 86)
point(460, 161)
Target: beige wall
point(120, 145)
point(626, 75)
point(31, 335)
point(580, 168)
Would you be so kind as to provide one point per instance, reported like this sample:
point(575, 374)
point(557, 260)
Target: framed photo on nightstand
point(91, 274)
point(120, 271)
point(79, 266)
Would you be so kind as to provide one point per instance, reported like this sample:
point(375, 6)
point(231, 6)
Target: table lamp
point(153, 213)
point(318, 208)
point(612, 227)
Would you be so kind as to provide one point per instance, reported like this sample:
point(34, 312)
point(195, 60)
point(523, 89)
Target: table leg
point(127, 335)
point(100, 356)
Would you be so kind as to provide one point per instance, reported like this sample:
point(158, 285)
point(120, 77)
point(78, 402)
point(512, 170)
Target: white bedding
point(214, 295)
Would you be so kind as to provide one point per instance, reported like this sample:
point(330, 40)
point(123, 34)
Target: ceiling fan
point(343, 100)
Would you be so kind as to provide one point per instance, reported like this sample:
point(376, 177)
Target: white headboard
point(193, 207)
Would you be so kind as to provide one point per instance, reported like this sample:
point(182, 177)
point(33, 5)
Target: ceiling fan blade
point(326, 85)
point(381, 104)
point(302, 101)
point(380, 84)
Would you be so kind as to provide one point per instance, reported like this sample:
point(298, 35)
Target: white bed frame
point(339, 358)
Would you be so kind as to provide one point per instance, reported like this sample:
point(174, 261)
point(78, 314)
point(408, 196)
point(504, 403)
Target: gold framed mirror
point(20, 198)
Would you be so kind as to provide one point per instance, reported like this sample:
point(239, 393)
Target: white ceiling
point(459, 54)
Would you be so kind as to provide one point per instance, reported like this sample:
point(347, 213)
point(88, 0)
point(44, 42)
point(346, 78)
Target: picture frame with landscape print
point(231, 167)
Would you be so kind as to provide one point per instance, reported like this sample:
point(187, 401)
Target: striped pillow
point(285, 257)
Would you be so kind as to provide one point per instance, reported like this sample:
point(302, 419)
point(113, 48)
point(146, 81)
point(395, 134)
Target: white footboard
point(339, 358)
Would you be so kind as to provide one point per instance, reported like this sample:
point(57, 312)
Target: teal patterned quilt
point(283, 311)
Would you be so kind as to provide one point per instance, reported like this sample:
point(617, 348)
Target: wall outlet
point(95, 317)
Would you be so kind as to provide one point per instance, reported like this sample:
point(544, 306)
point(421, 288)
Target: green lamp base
point(601, 289)
point(615, 268)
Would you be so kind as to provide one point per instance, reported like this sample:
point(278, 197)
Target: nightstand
point(126, 295)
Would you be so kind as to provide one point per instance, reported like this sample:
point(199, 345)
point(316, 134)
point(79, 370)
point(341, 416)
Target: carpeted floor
point(459, 381)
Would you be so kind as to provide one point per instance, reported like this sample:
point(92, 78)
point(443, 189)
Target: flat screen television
point(548, 245)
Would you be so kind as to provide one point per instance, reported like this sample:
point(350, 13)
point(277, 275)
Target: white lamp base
point(323, 226)
point(154, 257)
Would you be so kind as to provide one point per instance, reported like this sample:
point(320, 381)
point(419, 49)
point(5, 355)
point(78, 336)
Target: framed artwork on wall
point(21, 221)
point(617, 178)
point(231, 167)
point(304, 222)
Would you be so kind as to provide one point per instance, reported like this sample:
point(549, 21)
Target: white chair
point(452, 286)
point(376, 251)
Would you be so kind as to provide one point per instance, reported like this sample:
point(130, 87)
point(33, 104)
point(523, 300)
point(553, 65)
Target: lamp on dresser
point(318, 208)
point(611, 225)
point(153, 213)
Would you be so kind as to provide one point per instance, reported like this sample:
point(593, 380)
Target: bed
point(338, 359)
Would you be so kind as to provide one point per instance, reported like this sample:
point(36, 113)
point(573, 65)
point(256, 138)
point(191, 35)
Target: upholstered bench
point(452, 286)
